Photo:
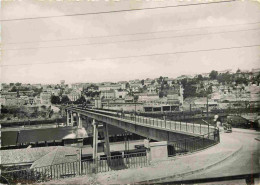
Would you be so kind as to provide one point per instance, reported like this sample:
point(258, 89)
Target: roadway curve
point(247, 161)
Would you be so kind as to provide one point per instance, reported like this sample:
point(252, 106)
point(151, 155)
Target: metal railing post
point(193, 126)
point(208, 130)
point(203, 141)
point(185, 145)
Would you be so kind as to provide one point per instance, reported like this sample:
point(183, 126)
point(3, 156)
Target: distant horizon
point(191, 74)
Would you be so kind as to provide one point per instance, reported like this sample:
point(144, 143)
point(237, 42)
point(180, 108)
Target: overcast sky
point(78, 61)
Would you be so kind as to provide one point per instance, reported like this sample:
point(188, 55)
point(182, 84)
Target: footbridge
point(177, 136)
point(152, 128)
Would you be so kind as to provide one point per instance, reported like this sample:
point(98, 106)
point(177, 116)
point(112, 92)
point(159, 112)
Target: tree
point(189, 88)
point(81, 100)
point(241, 80)
point(18, 84)
point(160, 94)
point(142, 82)
point(213, 75)
point(55, 99)
point(14, 89)
point(65, 99)
point(136, 98)
point(200, 78)
point(238, 71)
point(127, 85)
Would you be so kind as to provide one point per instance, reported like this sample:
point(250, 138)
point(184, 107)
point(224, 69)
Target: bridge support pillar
point(95, 139)
point(71, 119)
point(106, 137)
point(68, 118)
point(126, 141)
point(79, 120)
point(156, 150)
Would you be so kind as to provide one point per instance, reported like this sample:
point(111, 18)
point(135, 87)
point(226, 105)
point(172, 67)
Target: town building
point(25, 93)
point(74, 95)
point(147, 97)
point(120, 94)
point(108, 94)
point(45, 98)
point(106, 87)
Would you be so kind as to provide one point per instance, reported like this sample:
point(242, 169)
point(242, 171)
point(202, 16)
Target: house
point(107, 87)
point(108, 94)
point(37, 86)
point(26, 99)
point(175, 94)
point(10, 101)
point(55, 92)
point(45, 97)
point(129, 99)
point(147, 82)
point(123, 84)
point(74, 95)
point(173, 99)
point(202, 103)
point(170, 81)
point(151, 89)
point(146, 97)
point(120, 94)
point(25, 93)
point(135, 87)
point(9, 94)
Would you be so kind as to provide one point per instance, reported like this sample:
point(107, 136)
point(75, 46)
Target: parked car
point(227, 127)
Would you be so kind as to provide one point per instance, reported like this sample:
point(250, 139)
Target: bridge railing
point(77, 168)
point(186, 145)
point(171, 125)
point(181, 126)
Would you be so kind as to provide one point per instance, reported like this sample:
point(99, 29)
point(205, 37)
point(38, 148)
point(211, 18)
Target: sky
point(125, 45)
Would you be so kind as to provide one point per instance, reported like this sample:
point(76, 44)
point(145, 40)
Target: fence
point(76, 168)
point(194, 144)
point(171, 125)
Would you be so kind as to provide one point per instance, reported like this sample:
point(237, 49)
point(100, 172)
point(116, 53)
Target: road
point(247, 161)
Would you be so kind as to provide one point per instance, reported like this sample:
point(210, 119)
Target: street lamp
point(207, 106)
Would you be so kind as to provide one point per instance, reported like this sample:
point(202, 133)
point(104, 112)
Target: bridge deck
point(159, 124)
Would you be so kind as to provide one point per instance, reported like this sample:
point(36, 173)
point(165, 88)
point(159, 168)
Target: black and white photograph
point(107, 92)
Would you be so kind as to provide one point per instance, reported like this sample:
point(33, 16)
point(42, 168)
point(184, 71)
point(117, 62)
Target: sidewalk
point(174, 167)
